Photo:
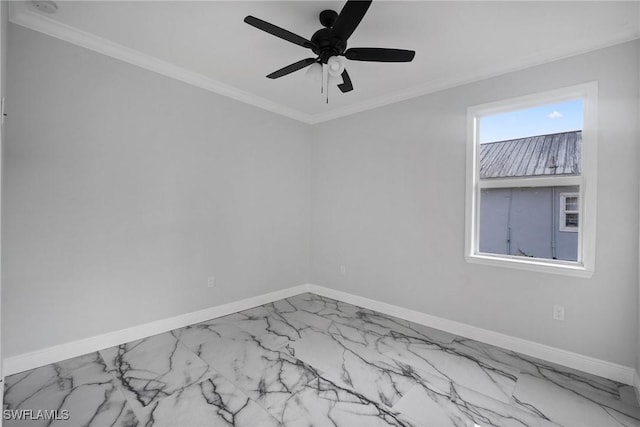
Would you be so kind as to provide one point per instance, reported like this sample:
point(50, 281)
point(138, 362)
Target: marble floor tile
point(314, 361)
point(153, 368)
point(81, 391)
point(29, 386)
point(264, 322)
point(375, 376)
point(320, 305)
point(285, 322)
point(367, 320)
point(322, 403)
point(591, 386)
point(436, 402)
point(214, 402)
point(493, 378)
point(266, 375)
point(565, 407)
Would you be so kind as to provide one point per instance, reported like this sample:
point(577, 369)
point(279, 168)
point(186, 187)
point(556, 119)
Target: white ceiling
point(208, 44)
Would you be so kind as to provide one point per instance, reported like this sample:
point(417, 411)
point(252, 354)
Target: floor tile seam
point(244, 391)
point(117, 382)
point(389, 355)
point(322, 375)
point(507, 369)
point(8, 383)
point(157, 400)
point(551, 366)
point(341, 385)
point(47, 395)
point(477, 356)
point(63, 394)
point(419, 386)
point(592, 395)
point(70, 374)
point(246, 394)
point(120, 387)
point(284, 344)
point(608, 407)
point(490, 347)
point(423, 374)
point(465, 403)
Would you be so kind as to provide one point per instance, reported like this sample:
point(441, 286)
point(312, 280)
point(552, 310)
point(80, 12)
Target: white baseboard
point(623, 374)
point(24, 362)
point(636, 385)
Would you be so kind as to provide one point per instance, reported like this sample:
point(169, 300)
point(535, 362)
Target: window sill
point(565, 268)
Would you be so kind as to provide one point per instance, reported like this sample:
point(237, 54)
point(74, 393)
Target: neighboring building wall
point(526, 222)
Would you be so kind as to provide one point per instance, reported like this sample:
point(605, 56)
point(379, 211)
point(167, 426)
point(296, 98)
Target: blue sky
point(550, 118)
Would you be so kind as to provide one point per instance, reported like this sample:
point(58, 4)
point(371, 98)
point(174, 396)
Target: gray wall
point(124, 190)
point(389, 203)
point(4, 22)
point(638, 337)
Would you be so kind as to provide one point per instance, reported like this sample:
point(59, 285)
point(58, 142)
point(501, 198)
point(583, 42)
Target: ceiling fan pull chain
point(325, 81)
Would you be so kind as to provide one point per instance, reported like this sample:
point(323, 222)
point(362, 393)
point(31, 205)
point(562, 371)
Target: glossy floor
point(313, 361)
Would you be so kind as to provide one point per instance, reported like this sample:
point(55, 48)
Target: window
point(531, 182)
point(569, 212)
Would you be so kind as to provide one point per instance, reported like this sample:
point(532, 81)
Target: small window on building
point(531, 166)
point(569, 212)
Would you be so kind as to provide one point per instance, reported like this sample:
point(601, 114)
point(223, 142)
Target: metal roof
point(553, 154)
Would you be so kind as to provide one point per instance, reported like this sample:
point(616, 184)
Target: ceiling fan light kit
point(314, 72)
point(330, 46)
point(335, 65)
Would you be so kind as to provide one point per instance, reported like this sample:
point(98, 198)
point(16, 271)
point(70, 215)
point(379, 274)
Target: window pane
point(571, 204)
point(539, 141)
point(571, 220)
point(525, 221)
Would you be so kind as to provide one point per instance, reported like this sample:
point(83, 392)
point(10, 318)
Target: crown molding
point(475, 76)
point(21, 14)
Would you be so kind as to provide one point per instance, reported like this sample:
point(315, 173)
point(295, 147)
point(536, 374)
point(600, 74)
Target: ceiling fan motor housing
point(328, 18)
point(324, 44)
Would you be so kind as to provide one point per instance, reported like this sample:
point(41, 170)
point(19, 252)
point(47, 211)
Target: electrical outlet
point(343, 270)
point(211, 282)
point(3, 114)
point(558, 312)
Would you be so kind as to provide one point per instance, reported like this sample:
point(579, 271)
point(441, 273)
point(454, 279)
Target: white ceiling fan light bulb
point(336, 66)
point(314, 72)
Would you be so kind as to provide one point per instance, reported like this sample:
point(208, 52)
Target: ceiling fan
point(330, 44)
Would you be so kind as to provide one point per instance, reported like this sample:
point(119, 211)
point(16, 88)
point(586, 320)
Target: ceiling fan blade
point(346, 85)
point(291, 68)
point(378, 54)
point(278, 32)
point(349, 18)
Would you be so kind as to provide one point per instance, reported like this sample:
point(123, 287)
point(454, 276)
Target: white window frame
point(563, 212)
point(587, 182)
